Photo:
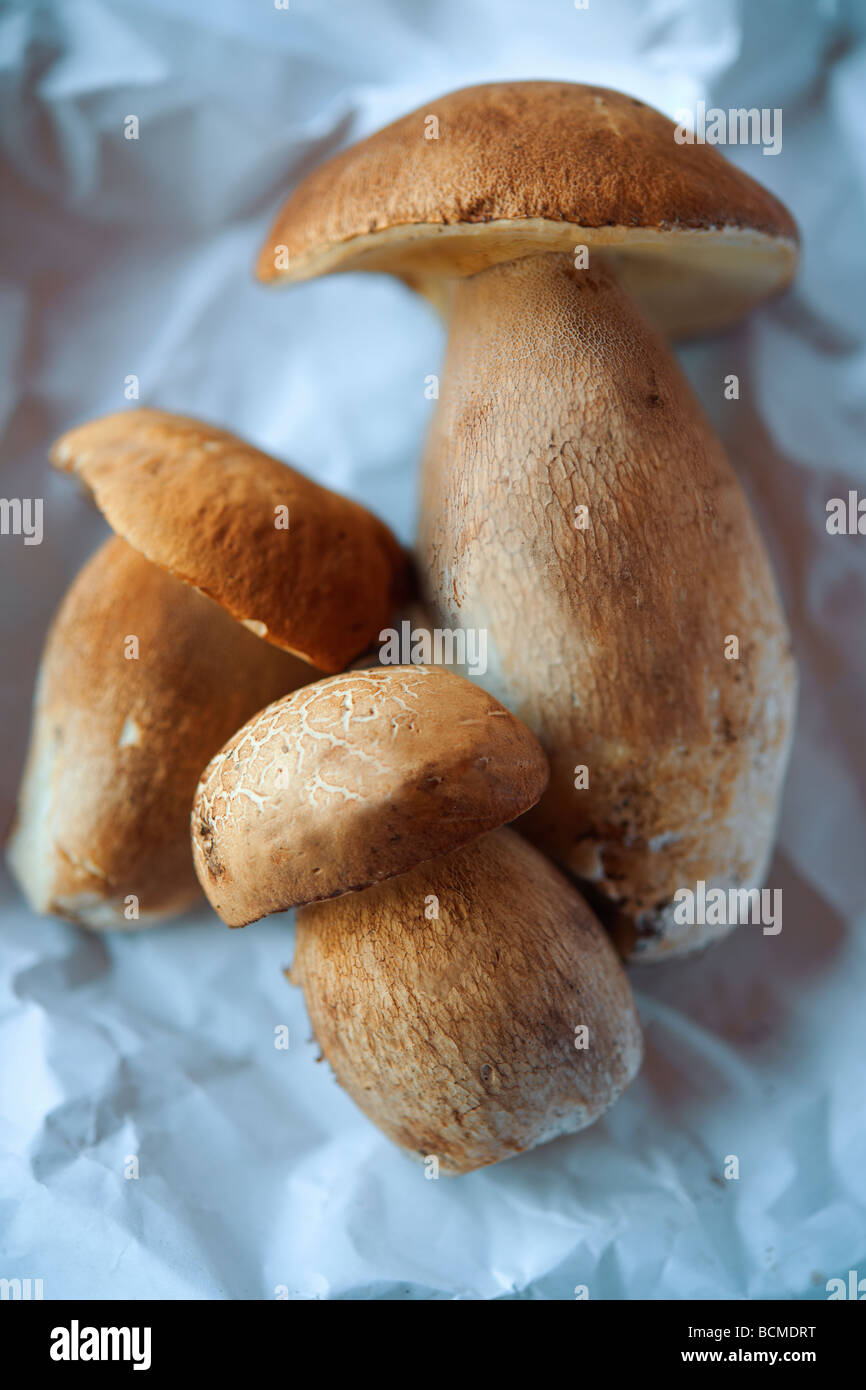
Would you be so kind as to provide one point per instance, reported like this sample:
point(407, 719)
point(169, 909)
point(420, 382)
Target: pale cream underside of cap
point(687, 280)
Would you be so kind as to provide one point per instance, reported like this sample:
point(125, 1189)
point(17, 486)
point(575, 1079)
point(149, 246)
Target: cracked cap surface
point(353, 780)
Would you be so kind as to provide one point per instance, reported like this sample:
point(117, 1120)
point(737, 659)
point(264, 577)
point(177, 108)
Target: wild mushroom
point(466, 997)
point(575, 503)
point(144, 677)
point(141, 679)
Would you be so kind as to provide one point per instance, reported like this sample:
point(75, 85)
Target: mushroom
point(461, 989)
point(141, 679)
point(575, 503)
point(144, 676)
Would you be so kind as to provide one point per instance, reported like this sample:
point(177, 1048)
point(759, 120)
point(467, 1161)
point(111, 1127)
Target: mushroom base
point(473, 1008)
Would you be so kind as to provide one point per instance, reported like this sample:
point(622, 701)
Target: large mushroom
point(144, 677)
point(575, 503)
point(460, 987)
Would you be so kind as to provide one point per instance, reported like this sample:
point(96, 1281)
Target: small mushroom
point(466, 997)
point(141, 679)
point(120, 735)
point(575, 503)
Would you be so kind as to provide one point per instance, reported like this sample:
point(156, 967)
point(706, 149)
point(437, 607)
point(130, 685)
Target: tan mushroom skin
point(352, 780)
point(447, 1002)
point(141, 680)
point(608, 627)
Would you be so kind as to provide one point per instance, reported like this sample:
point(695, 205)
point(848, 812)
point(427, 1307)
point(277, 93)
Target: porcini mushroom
point(141, 680)
point(301, 566)
point(468, 1001)
point(120, 736)
point(575, 503)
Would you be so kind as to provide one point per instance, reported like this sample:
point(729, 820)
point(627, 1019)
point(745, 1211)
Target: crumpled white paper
point(134, 257)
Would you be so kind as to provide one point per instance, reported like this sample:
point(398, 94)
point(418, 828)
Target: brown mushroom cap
point(202, 504)
point(119, 738)
point(521, 168)
point(355, 779)
point(447, 1001)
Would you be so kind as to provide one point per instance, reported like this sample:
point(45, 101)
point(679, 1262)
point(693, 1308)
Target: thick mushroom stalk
point(141, 680)
point(473, 1008)
point(577, 506)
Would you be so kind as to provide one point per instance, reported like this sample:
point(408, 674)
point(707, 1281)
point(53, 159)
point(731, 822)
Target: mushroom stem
point(473, 1008)
point(576, 505)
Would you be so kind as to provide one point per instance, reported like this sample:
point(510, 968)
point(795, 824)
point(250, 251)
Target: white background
point(127, 257)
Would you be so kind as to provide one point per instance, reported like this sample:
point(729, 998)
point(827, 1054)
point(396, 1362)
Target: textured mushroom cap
point(520, 168)
point(454, 1030)
point(202, 504)
point(355, 779)
point(118, 741)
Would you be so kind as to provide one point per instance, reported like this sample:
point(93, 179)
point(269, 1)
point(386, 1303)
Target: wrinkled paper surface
point(134, 257)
